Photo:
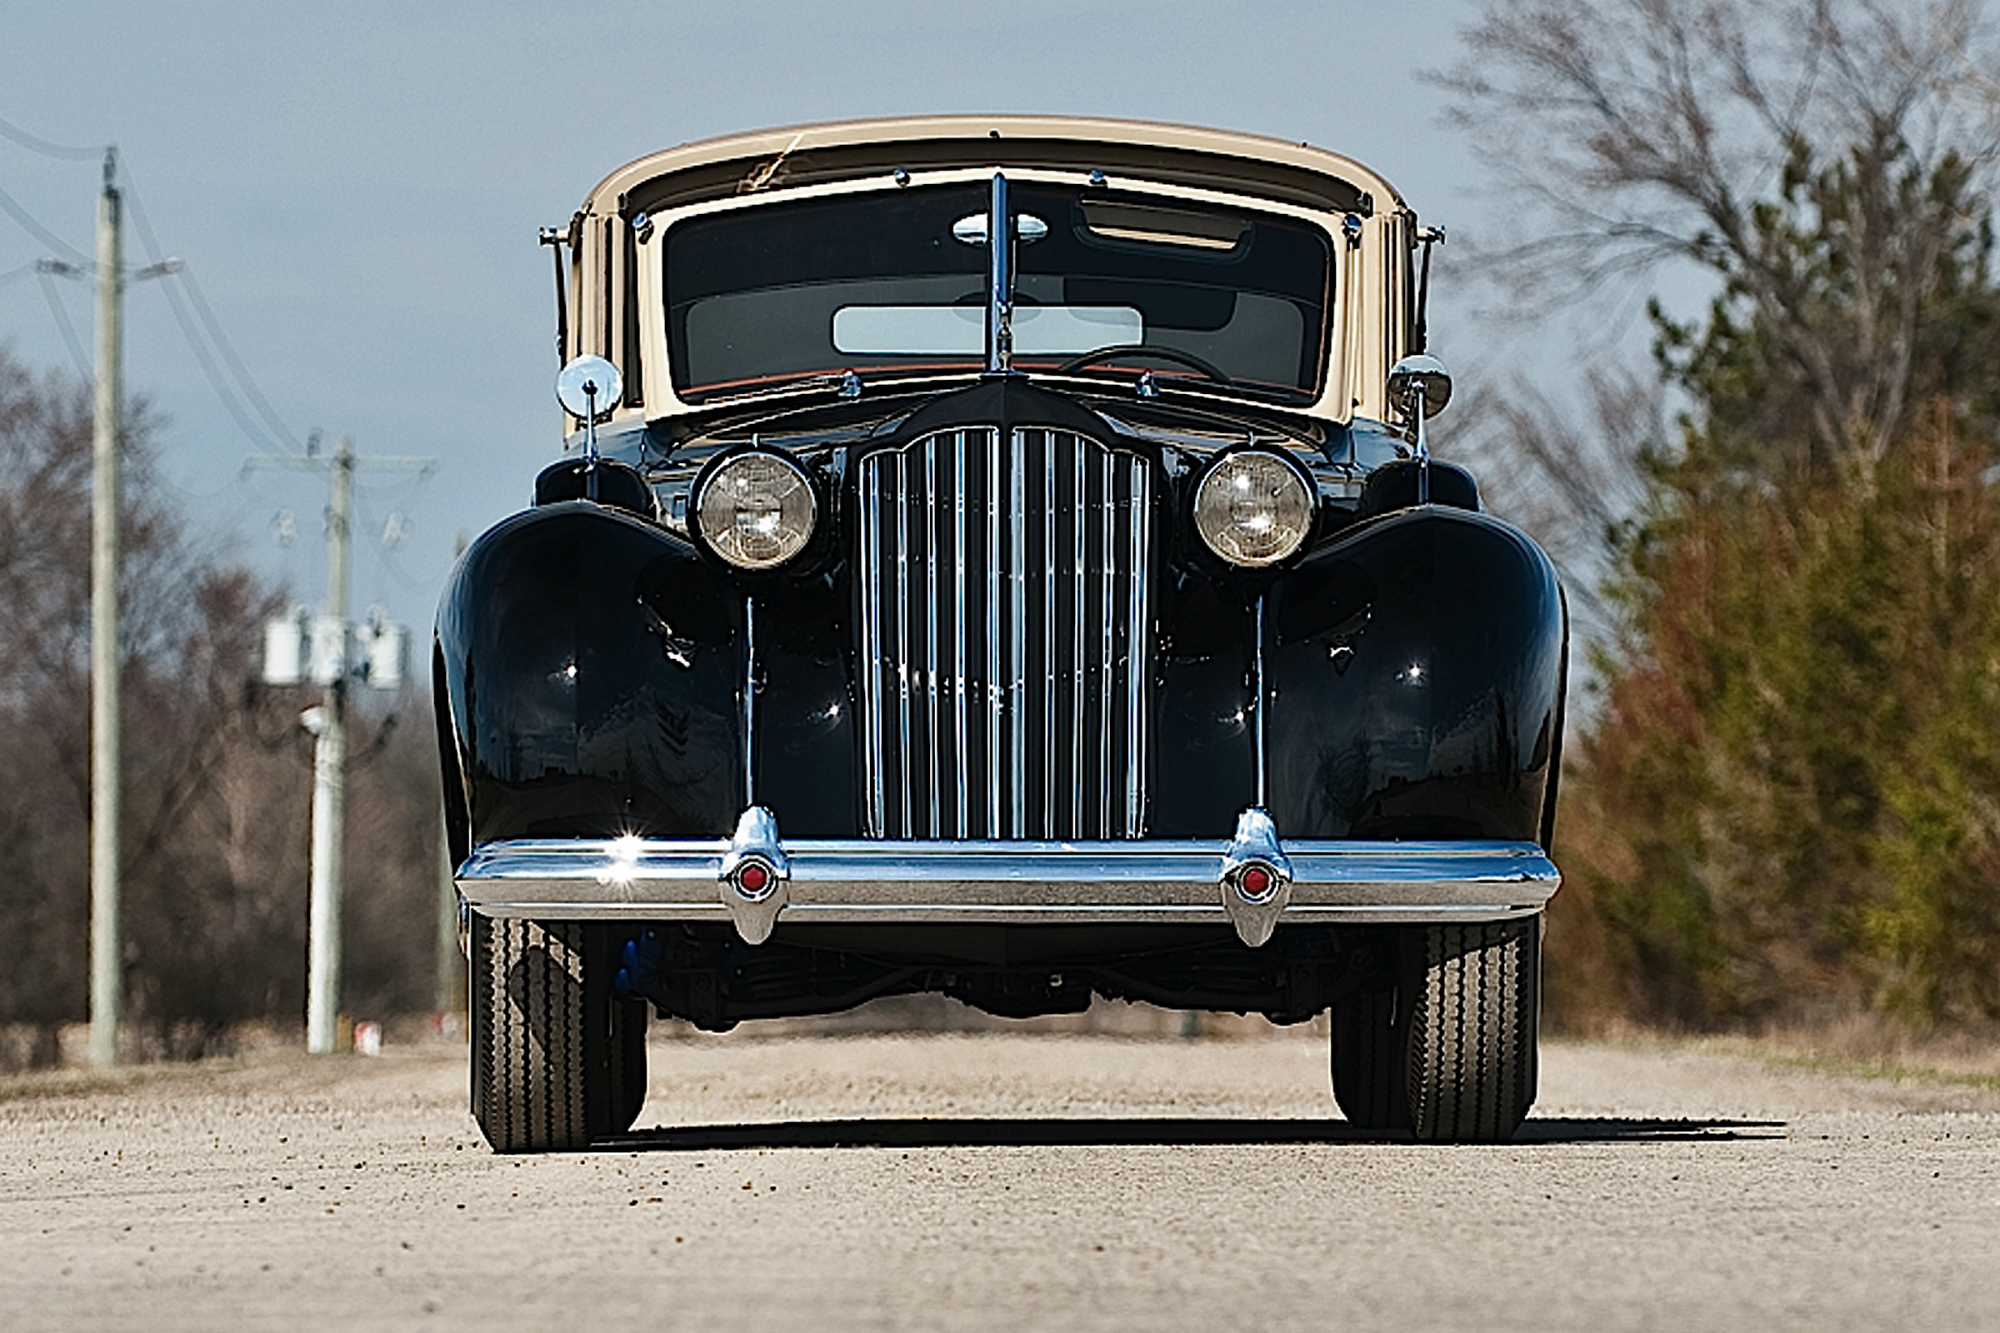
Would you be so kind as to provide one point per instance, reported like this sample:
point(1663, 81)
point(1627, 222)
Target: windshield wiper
point(1148, 385)
point(845, 382)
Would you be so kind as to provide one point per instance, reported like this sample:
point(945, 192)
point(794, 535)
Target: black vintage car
point(1000, 557)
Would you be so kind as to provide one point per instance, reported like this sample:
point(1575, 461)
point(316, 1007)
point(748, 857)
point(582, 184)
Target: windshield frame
point(1335, 338)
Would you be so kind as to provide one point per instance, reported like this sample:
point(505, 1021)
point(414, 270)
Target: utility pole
point(328, 723)
point(329, 803)
point(106, 950)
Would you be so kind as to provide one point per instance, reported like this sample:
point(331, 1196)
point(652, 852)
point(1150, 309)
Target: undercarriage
point(706, 975)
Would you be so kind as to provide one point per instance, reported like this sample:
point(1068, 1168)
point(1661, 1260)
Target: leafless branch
point(1630, 132)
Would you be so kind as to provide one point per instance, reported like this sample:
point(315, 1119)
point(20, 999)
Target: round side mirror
point(589, 388)
point(1419, 375)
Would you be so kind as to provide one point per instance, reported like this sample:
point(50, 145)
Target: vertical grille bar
point(992, 695)
point(927, 518)
point(874, 761)
point(1080, 627)
point(1107, 602)
point(972, 746)
point(1139, 635)
point(1017, 635)
point(960, 612)
point(901, 776)
point(1051, 686)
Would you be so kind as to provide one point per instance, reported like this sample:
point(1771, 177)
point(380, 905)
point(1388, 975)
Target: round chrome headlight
point(1253, 508)
point(756, 510)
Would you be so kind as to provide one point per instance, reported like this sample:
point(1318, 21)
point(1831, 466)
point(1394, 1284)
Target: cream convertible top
point(1372, 330)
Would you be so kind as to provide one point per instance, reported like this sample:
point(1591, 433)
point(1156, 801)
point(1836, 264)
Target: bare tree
point(1574, 477)
point(1649, 130)
point(217, 776)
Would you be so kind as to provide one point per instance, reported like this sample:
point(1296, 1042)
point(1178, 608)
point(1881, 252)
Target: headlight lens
point(756, 510)
point(1253, 508)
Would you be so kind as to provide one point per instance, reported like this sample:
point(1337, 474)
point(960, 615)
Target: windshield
point(897, 279)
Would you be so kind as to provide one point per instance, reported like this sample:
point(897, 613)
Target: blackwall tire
point(537, 1058)
point(625, 1054)
point(1370, 1061)
point(1475, 1001)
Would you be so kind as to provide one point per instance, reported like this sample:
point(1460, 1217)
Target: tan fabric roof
point(744, 163)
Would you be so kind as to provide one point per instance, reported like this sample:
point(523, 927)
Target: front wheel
point(625, 1056)
point(1474, 1019)
point(556, 1061)
point(1370, 1053)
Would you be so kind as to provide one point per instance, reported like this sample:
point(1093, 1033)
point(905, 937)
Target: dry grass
point(1853, 1045)
point(1866, 1046)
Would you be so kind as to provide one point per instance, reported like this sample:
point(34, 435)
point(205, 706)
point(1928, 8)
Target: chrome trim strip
point(1000, 280)
point(960, 641)
point(838, 879)
point(903, 630)
point(876, 771)
point(1049, 695)
point(1139, 634)
point(1107, 575)
point(1051, 914)
point(931, 554)
point(1258, 736)
point(749, 701)
point(1017, 571)
point(992, 692)
point(1077, 624)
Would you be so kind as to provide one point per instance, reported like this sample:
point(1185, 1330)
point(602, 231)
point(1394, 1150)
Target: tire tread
point(1473, 1030)
point(1367, 1058)
point(531, 1039)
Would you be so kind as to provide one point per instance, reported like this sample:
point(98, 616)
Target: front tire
point(626, 1053)
point(556, 1062)
point(1370, 1056)
point(1475, 1009)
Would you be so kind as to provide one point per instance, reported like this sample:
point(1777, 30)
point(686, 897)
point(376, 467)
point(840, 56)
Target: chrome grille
point(1003, 599)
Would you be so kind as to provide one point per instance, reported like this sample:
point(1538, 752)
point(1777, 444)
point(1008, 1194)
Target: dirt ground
point(978, 1181)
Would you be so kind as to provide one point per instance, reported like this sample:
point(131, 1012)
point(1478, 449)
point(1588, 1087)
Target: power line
point(274, 430)
point(43, 234)
point(249, 385)
point(390, 563)
point(229, 527)
point(403, 489)
point(187, 309)
point(223, 393)
point(34, 143)
point(213, 373)
point(68, 331)
point(191, 495)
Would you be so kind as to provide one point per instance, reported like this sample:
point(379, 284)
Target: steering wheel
point(1121, 351)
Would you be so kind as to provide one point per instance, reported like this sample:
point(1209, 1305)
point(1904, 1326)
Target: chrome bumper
point(1192, 882)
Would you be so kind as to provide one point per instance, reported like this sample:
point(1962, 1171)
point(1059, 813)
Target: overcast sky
point(356, 190)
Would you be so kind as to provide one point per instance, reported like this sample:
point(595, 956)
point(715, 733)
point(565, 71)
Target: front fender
point(590, 673)
point(1416, 671)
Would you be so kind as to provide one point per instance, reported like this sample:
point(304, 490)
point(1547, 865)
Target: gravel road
point(981, 1181)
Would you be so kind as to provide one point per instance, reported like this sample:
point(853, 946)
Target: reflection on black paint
point(593, 664)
